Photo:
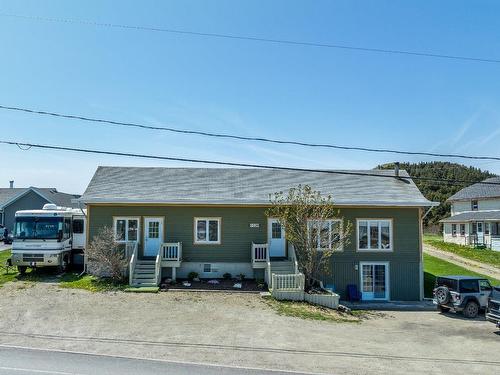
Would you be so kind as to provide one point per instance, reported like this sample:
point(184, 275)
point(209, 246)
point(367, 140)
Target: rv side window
point(67, 228)
point(78, 226)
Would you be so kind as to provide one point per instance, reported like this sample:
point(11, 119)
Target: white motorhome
point(48, 237)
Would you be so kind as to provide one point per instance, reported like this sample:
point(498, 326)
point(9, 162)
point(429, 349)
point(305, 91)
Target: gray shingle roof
point(7, 194)
point(493, 215)
point(50, 194)
point(244, 186)
point(478, 191)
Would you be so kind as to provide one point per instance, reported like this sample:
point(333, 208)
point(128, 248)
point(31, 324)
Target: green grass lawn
point(481, 255)
point(304, 310)
point(68, 280)
point(434, 267)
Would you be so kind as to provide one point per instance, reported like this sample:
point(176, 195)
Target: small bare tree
point(313, 226)
point(105, 258)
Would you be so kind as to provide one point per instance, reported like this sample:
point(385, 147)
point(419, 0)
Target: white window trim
point(330, 221)
point(207, 241)
point(454, 234)
point(380, 249)
point(387, 279)
point(127, 218)
point(460, 230)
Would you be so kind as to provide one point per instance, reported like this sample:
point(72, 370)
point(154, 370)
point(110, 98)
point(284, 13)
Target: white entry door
point(480, 233)
point(153, 235)
point(276, 238)
point(374, 281)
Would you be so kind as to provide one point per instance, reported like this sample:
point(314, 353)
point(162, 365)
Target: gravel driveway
point(240, 329)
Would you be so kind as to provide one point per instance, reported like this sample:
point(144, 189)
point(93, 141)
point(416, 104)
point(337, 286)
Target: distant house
point(14, 199)
point(475, 216)
point(212, 221)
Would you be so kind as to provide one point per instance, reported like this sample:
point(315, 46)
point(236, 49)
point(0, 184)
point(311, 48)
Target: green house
point(172, 221)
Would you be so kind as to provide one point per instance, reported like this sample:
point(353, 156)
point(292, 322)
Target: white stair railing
point(171, 251)
point(158, 266)
point(290, 282)
point(259, 252)
point(293, 258)
point(131, 248)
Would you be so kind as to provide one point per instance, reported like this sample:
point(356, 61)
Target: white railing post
point(133, 260)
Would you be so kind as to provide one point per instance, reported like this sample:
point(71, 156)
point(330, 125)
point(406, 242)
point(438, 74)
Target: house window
point(474, 228)
point(325, 234)
point(474, 205)
point(207, 230)
point(126, 229)
point(207, 268)
point(375, 235)
point(487, 228)
point(462, 230)
point(454, 230)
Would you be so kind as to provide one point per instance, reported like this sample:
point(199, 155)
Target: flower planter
point(330, 300)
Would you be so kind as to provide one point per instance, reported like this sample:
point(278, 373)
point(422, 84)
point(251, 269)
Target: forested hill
point(436, 191)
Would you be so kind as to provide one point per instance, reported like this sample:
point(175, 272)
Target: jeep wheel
point(22, 269)
point(443, 309)
point(471, 310)
point(442, 295)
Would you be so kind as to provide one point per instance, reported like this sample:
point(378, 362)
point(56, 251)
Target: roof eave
point(254, 202)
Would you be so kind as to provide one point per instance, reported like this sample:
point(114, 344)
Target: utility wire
point(244, 138)
point(236, 164)
point(254, 38)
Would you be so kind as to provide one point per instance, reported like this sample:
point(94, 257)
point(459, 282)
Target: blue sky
point(244, 87)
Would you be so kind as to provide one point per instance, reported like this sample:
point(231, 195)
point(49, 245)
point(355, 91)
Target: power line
point(254, 38)
point(236, 164)
point(244, 138)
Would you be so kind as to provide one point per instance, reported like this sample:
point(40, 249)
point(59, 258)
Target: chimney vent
point(11, 184)
point(396, 168)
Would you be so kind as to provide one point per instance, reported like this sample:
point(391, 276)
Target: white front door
point(374, 281)
point(480, 233)
point(276, 238)
point(153, 235)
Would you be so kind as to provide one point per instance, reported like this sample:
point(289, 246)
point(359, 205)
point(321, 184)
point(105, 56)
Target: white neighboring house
point(475, 216)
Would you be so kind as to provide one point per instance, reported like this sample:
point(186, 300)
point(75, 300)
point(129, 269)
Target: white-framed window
point(462, 230)
point(487, 228)
point(126, 229)
point(454, 230)
point(207, 230)
point(474, 205)
point(324, 234)
point(374, 234)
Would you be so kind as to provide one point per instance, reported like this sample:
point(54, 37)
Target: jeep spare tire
point(442, 295)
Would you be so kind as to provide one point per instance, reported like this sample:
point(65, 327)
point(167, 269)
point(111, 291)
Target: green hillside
point(436, 191)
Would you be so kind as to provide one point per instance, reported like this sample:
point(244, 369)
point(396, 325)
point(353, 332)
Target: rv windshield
point(46, 228)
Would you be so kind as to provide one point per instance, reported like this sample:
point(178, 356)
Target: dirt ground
point(241, 329)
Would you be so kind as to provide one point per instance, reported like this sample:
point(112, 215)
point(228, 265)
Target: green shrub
point(192, 275)
point(227, 276)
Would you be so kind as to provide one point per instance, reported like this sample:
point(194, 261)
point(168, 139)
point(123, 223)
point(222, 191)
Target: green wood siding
point(237, 236)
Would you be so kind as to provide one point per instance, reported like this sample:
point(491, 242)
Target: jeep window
point(469, 286)
point(484, 285)
point(450, 283)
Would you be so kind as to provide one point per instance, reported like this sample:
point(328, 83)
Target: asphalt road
point(15, 360)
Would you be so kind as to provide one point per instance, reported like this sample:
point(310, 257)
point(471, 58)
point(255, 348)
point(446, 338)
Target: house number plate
point(254, 225)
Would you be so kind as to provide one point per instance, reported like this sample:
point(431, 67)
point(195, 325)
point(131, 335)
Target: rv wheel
point(22, 269)
point(63, 266)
